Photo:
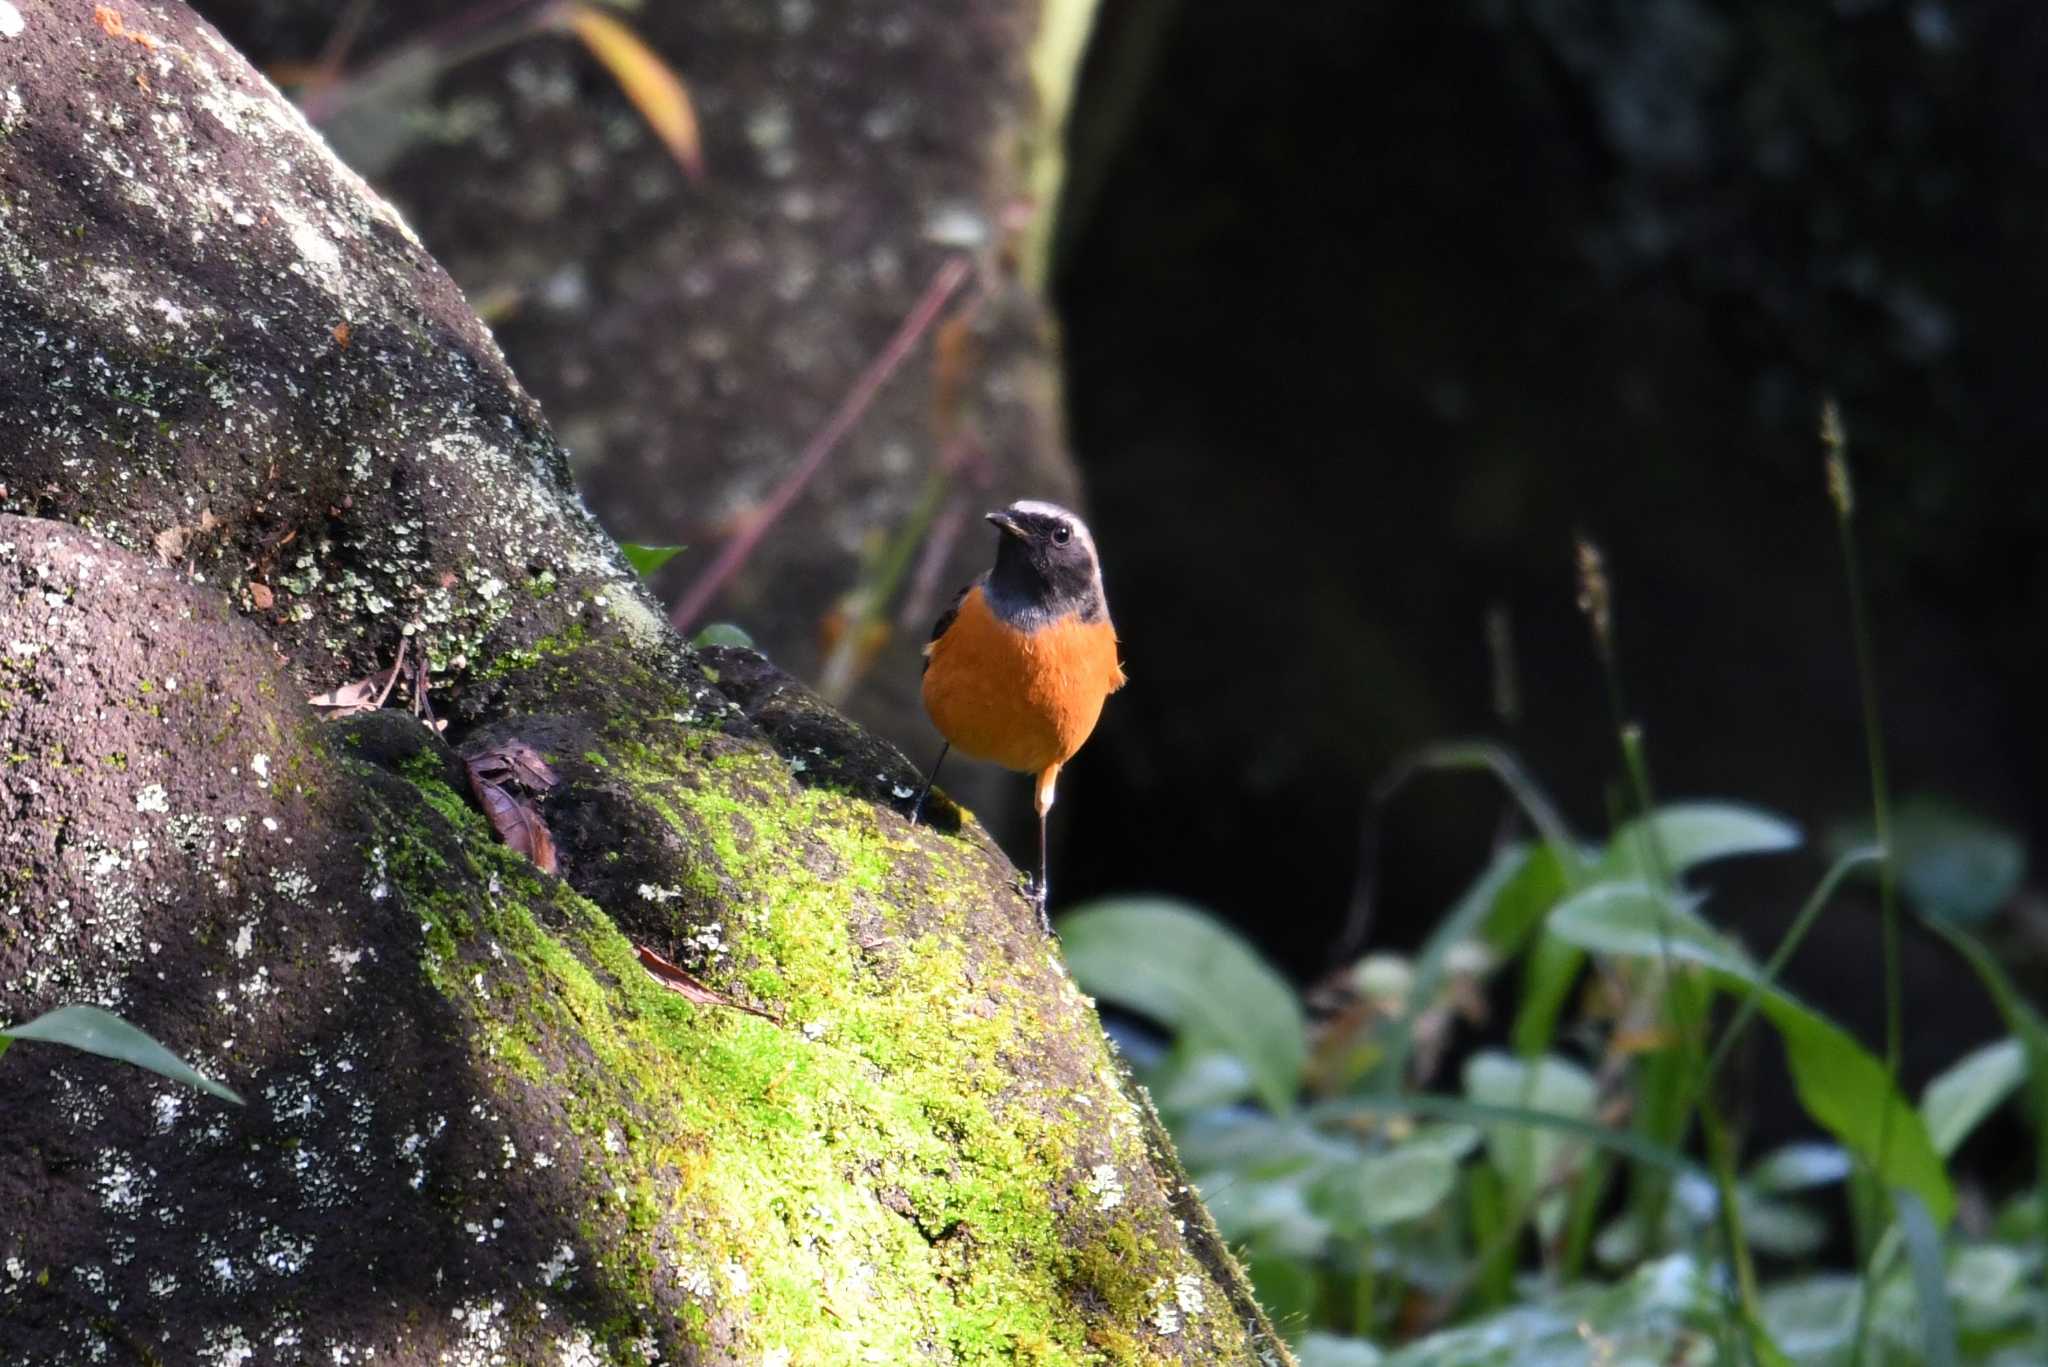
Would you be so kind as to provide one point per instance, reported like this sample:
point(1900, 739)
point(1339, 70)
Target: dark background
point(1369, 309)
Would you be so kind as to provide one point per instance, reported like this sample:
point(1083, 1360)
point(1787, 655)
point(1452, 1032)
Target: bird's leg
point(917, 810)
point(1042, 800)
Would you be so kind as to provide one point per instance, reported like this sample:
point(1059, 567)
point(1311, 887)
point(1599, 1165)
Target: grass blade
point(1459, 1111)
point(649, 82)
point(93, 1031)
point(1767, 977)
point(1924, 1256)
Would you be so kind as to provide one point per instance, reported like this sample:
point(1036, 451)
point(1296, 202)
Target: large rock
point(253, 441)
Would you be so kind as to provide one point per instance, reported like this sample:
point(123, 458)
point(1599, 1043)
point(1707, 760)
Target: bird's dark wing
point(946, 618)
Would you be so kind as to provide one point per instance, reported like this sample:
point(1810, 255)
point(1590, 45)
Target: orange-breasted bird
point(1018, 667)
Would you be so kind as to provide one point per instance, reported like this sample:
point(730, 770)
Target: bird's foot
point(1037, 891)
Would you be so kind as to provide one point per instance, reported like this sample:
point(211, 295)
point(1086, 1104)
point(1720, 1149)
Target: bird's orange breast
point(1024, 700)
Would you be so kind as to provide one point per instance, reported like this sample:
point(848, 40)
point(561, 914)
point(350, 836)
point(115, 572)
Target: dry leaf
point(691, 987)
point(364, 695)
point(515, 819)
point(653, 87)
point(342, 332)
point(514, 763)
point(172, 542)
point(261, 596)
point(349, 699)
point(533, 771)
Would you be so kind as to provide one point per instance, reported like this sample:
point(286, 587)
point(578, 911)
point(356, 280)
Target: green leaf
point(1470, 1113)
point(1970, 1089)
point(1634, 1321)
point(2027, 1026)
point(1538, 882)
point(1683, 835)
point(1547, 977)
point(1988, 1284)
point(1952, 865)
point(1385, 1188)
point(1529, 1158)
point(1839, 1083)
point(1286, 1286)
point(1504, 904)
point(1814, 1319)
point(1166, 960)
point(1798, 1167)
point(645, 560)
point(1273, 1215)
point(1640, 921)
point(1924, 1255)
point(1197, 1079)
point(1253, 1144)
point(100, 1032)
point(1782, 1229)
point(723, 634)
point(1318, 1349)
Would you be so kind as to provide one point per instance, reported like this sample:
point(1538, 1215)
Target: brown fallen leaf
point(172, 542)
point(364, 695)
point(515, 819)
point(691, 987)
point(349, 699)
point(261, 596)
point(342, 332)
point(515, 763)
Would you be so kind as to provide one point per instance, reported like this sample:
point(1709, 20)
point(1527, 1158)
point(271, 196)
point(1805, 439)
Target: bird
point(1019, 666)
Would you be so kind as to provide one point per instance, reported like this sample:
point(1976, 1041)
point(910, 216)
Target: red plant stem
point(733, 555)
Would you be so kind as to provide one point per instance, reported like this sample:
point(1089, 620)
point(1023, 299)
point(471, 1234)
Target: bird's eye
point(1062, 534)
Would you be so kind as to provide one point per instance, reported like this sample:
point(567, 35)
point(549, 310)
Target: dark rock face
point(252, 442)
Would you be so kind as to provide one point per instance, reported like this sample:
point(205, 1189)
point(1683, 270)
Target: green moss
point(864, 1155)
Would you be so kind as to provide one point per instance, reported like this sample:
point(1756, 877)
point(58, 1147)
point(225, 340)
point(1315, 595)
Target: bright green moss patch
point(872, 1178)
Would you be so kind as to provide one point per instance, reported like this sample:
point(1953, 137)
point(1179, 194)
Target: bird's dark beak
point(1008, 524)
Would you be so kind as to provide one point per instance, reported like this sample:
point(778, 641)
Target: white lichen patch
point(558, 1264)
point(226, 1347)
point(153, 798)
point(1164, 1316)
point(1106, 1185)
point(123, 1184)
point(11, 24)
point(482, 1335)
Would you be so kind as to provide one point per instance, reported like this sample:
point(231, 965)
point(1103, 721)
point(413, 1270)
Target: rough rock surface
point(251, 440)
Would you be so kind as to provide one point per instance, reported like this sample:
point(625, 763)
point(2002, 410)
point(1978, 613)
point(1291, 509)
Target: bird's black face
point(1045, 565)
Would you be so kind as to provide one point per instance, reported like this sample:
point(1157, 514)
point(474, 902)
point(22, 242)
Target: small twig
point(391, 680)
point(735, 552)
point(327, 67)
point(423, 709)
point(924, 592)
